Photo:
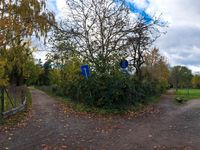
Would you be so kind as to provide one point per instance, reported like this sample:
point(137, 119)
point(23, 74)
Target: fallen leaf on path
point(45, 147)
point(63, 139)
point(64, 146)
point(150, 136)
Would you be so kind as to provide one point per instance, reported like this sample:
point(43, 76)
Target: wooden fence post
point(22, 97)
point(2, 99)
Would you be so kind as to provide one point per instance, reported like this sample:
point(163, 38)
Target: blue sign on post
point(124, 64)
point(85, 71)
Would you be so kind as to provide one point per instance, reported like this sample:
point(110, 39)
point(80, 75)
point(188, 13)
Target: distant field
point(193, 93)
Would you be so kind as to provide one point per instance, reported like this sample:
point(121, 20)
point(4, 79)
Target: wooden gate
point(13, 99)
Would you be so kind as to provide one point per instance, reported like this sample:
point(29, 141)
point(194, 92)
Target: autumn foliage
point(20, 21)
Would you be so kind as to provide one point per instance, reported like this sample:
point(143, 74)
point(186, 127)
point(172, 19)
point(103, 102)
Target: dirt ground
point(52, 128)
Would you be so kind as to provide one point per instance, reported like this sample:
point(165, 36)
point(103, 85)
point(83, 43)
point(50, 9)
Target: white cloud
point(181, 43)
point(141, 3)
point(62, 8)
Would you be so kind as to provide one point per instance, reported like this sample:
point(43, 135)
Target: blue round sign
point(124, 64)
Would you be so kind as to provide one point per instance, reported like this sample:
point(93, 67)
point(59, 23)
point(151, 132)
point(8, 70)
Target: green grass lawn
point(192, 94)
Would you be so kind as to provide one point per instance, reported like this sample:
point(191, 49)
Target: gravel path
point(54, 128)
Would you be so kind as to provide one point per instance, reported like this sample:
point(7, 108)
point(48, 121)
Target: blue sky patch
point(134, 8)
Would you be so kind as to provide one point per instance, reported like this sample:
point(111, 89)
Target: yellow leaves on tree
point(19, 21)
point(156, 66)
point(23, 18)
point(3, 79)
point(20, 60)
point(196, 81)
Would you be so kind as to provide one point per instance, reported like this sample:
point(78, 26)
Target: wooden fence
point(12, 100)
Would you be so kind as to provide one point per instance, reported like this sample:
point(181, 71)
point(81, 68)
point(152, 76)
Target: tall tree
point(180, 77)
point(139, 43)
point(156, 66)
point(18, 56)
point(102, 31)
point(62, 49)
point(23, 18)
point(99, 29)
point(196, 81)
point(20, 20)
point(3, 78)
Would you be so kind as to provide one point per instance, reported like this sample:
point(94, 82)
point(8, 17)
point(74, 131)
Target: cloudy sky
point(181, 44)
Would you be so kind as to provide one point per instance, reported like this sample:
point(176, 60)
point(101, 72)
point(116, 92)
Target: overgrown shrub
point(113, 91)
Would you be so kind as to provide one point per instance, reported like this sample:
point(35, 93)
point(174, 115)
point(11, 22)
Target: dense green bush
point(112, 91)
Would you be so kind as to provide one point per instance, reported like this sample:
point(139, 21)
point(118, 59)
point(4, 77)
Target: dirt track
point(173, 128)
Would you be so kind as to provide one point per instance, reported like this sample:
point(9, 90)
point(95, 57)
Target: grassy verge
point(186, 95)
point(15, 119)
point(80, 107)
